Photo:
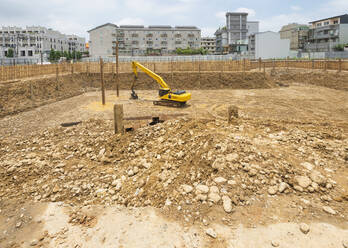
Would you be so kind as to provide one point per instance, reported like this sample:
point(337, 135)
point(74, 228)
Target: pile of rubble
point(179, 163)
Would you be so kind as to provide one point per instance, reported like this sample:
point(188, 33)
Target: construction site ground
point(275, 177)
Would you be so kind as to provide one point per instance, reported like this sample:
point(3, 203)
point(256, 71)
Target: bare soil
point(84, 186)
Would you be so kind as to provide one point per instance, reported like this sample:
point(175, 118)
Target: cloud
point(130, 21)
point(251, 12)
point(295, 8)
point(156, 7)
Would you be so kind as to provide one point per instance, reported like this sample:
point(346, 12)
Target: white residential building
point(267, 45)
point(140, 40)
point(32, 41)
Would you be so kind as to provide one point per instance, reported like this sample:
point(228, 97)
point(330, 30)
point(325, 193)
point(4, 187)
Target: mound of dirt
point(189, 165)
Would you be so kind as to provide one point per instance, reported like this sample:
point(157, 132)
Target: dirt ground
point(83, 186)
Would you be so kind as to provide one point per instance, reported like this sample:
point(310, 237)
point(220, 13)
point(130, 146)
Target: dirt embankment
point(338, 81)
point(182, 80)
point(20, 96)
point(27, 94)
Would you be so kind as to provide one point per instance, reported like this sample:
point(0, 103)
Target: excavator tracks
point(170, 103)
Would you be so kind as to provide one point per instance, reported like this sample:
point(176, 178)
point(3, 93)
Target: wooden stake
point(171, 67)
point(118, 118)
point(57, 71)
point(117, 75)
point(264, 70)
point(102, 81)
point(232, 113)
point(339, 65)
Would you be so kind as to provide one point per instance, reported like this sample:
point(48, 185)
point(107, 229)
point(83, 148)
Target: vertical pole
point(339, 65)
point(264, 70)
point(117, 75)
point(171, 67)
point(31, 92)
point(57, 72)
point(244, 68)
point(102, 81)
point(118, 118)
point(199, 72)
point(260, 64)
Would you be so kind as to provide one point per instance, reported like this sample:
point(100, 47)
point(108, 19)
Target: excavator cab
point(167, 97)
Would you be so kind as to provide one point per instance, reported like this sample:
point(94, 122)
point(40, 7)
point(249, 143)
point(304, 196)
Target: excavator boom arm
point(156, 77)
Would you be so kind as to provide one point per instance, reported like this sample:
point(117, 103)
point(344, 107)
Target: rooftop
point(345, 16)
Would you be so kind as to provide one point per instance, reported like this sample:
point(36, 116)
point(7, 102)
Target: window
point(335, 22)
point(30, 53)
point(23, 53)
point(319, 24)
point(326, 23)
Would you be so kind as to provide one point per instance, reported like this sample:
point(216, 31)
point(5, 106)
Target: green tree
point(10, 53)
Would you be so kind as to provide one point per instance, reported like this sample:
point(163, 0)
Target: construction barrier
point(15, 72)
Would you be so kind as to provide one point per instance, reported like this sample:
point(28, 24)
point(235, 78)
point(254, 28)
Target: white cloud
point(130, 21)
point(296, 8)
point(251, 12)
point(339, 5)
point(208, 31)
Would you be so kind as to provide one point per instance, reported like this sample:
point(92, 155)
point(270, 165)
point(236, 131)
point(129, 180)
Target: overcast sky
point(78, 16)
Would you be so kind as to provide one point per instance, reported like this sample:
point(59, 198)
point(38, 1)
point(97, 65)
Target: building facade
point(327, 33)
point(140, 40)
point(297, 34)
point(208, 44)
point(31, 42)
point(252, 27)
point(236, 25)
point(236, 31)
point(221, 37)
point(268, 45)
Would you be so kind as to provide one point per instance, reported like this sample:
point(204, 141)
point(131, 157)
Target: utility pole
point(117, 75)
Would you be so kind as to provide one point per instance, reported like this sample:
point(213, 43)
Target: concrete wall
point(269, 45)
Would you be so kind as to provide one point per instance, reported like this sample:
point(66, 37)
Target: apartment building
point(297, 34)
point(141, 40)
point(33, 41)
point(267, 45)
point(237, 30)
point(325, 34)
point(252, 27)
point(221, 37)
point(208, 44)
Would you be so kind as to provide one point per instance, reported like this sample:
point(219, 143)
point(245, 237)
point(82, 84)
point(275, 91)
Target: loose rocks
point(210, 232)
point(304, 228)
point(329, 210)
point(227, 204)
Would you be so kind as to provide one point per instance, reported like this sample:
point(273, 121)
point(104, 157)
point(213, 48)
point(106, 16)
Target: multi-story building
point(33, 41)
point(236, 25)
point(267, 45)
point(140, 40)
point(208, 44)
point(296, 33)
point(237, 29)
point(221, 41)
point(326, 33)
point(252, 27)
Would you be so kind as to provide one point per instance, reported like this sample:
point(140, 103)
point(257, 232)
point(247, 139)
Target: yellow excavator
point(167, 97)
